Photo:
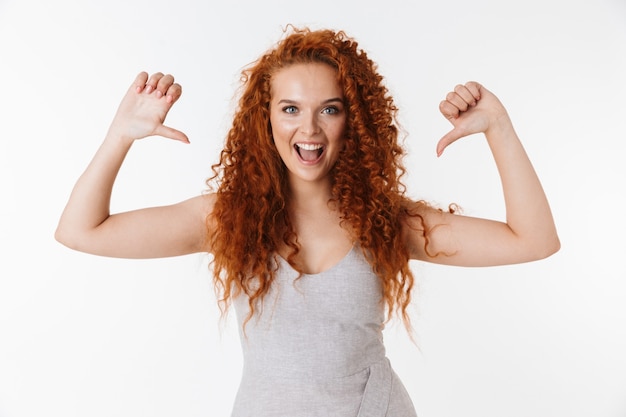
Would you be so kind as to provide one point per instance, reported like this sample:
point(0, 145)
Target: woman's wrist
point(500, 127)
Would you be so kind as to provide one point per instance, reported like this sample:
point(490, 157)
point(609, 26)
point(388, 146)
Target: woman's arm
point(529, 232)
point(86, 223)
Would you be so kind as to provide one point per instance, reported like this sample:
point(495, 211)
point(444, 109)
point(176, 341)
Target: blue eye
point(290, 109)
point(330, 110)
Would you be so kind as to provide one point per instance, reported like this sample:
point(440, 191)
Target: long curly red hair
point(250, 220)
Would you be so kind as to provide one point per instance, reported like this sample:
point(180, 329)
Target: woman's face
point(308, 119)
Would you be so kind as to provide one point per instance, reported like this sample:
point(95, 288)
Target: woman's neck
point(309, 195)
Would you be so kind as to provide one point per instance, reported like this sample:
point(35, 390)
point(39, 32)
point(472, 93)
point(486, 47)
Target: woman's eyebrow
point(328, 101)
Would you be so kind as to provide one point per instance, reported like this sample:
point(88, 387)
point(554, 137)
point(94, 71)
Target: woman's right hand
point(143, 109)
point(87, 224)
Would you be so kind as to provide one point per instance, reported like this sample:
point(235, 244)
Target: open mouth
point(309, 152)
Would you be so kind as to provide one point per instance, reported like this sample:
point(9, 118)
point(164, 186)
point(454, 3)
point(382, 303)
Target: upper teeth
point(309, 146)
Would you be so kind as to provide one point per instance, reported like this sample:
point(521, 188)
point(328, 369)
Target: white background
point(87, 336)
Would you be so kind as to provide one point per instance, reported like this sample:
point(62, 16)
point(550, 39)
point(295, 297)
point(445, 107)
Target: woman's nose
point(310, 125)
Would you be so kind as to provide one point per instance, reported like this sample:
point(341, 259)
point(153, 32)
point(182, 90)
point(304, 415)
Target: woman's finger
point(153, 81)
point(474, 88)
point(449, 110)
point(465, 94)
point(171, 133)
point(173, 93)
point(457, 101)
point(163, 85)
point(140, 81)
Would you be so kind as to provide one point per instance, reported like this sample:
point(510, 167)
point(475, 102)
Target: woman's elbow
point(556, 245)
point(547, 247)
point(61, 236)
point(67, 238)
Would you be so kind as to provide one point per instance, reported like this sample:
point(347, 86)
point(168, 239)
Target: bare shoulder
point(198, 209)
point(201, 205)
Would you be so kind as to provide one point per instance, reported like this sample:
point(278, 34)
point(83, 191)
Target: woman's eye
point(331, 110)
point(290, 109)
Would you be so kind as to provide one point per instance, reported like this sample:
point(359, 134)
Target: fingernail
point(148, 89)
point(159, 94)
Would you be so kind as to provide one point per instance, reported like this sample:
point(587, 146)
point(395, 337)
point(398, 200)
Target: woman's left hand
point(471, 108)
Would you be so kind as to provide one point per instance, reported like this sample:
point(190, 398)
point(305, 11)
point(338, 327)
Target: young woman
point(308, 225)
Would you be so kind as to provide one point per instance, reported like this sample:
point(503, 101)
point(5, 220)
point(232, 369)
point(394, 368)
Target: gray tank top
point(314, 348)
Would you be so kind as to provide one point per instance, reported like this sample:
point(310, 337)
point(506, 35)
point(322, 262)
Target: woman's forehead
point(306, 78)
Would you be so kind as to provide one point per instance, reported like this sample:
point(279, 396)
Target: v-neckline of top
point(337, 264)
